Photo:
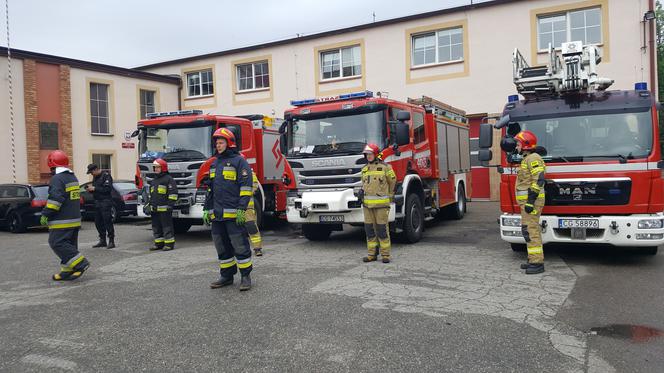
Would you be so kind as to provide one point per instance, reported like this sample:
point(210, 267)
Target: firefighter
point(378, 182)
point(163, 196)
point(530, 197)
point(226, 203)
point(252, 223)
point(62, 214)
point(102, 185)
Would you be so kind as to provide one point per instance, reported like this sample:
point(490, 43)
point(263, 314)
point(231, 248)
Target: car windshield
point(41, 192)
point(124, 186)
point(336, 135)
point(176, 144)
point(594, 137)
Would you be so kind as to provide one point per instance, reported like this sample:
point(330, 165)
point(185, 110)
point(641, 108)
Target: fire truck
point(601, 148)
point(425, 141)
point(184, 140)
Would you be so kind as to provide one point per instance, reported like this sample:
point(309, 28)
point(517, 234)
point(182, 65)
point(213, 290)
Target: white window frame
point(568, 26)
point(142, 105)
point(435, 34)
point(99, 163)
point(200, 83)
point(339, 51)
point(253, 76)
point(98, 103)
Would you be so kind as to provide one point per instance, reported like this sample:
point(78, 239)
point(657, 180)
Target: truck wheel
point(181, 226)
point(649, 250)
point(518, 247)
point(459, 208)
point(413, 223)
point(15, 224)
point(316, 232)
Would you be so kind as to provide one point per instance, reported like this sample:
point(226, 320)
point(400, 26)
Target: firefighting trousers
point(104, 219)
point(376, 226)
point(232, 245)
point(162, 229)
point(252, 228)
point(532, 231)
point(64, 242)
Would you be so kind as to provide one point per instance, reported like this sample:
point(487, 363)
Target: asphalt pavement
point(456, 301)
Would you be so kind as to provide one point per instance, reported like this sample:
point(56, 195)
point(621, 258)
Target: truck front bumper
point(194, 212)
point(328, 207)
point(612, 230)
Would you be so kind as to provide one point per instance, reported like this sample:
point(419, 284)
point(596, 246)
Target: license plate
point(176, 213)
point(331, 218)
point(578, 223)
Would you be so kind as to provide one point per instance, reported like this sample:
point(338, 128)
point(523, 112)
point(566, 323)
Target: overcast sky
point(131, 33)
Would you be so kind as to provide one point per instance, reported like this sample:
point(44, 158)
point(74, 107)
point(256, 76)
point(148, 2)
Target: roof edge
point(87, 65)
point(330, 33)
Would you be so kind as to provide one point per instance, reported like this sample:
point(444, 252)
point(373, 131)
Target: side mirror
point(283, 143)
point(485, 155)
point(508, 144)
point(403, 115)
point(502, 122)
point(513, 129)
point(135, 133)
point(282, 128)
point(403, 133)
point(486, 136)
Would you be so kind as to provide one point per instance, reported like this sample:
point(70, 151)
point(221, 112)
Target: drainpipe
point(653, 53)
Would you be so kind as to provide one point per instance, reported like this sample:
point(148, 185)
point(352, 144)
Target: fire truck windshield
point(335, 135)
point(594, 137)
point(176, 144)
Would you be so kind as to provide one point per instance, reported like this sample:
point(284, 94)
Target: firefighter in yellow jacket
point(378, 182)
point(252, 223)
point(530, 197)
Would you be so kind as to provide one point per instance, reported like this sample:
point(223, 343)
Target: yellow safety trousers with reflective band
point(527, 176)
point(378, 182)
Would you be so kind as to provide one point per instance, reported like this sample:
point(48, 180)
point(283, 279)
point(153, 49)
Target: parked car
point(125, 200)
point(21, 205)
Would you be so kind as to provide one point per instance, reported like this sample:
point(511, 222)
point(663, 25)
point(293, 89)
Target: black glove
point(360, 195)
point(532, 196)
point(529, 209)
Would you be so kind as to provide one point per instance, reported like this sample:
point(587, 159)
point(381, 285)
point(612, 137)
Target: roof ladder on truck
point(439, 108)
point(573, 70)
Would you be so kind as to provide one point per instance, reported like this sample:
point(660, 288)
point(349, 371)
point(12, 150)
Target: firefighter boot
point(523, 265)
point(111, 243)
point(245, 283)
point(386, 259)
point(221, 283)
point(69, 274)
point(101, 243)
point(258, 251)
point(534, 268)
point(368, 259)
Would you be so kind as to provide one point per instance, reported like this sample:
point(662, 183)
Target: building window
point(254, 75)
point(103, 161)
point(146, 104)
point(199, 83)
point(438, 46)
point(48, 136)
point(99, 109)
point(341, 63)
point(578, 25)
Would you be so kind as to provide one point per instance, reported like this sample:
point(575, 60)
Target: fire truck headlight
point(651, 224)
point(511, 222)
point(200, 197)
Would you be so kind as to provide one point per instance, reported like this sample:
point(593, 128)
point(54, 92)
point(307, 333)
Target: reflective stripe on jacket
point(230, 186)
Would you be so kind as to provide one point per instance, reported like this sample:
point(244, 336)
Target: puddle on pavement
point(634, 333)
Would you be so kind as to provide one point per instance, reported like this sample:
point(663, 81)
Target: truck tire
point(413, 222)
point(181, 226)
point(316, 232)
point(15, 224)
point(459, 208)
point(518, 247)
point(649, 250)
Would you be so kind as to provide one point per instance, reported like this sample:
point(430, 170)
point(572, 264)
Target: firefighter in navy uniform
point(163, 196)
point(62, 214)
point(226, 203)
point(530, 197)
point(378, 182)
point(101, 188)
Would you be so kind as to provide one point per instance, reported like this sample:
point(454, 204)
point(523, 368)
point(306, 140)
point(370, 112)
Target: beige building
point(83, 108)
point(461, 56)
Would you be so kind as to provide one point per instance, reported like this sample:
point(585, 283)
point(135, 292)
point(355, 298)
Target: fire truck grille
point(341, 171)
point(591, 233)
point(610, 192)
point(331, 181)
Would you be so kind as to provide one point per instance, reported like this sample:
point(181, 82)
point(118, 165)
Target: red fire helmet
point(57, 158)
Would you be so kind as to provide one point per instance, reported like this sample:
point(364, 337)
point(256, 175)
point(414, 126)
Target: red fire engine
point(425, 141)
point(601, 148)
point(184, 140)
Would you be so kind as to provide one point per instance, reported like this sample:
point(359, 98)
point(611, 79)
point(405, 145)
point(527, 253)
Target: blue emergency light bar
point(173, 113)
point(512, 98)
point(321, 100)
point(641, 86)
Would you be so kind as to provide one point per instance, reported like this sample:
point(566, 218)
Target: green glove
point(206, 217)
point(241, 217)
point(43, 220)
